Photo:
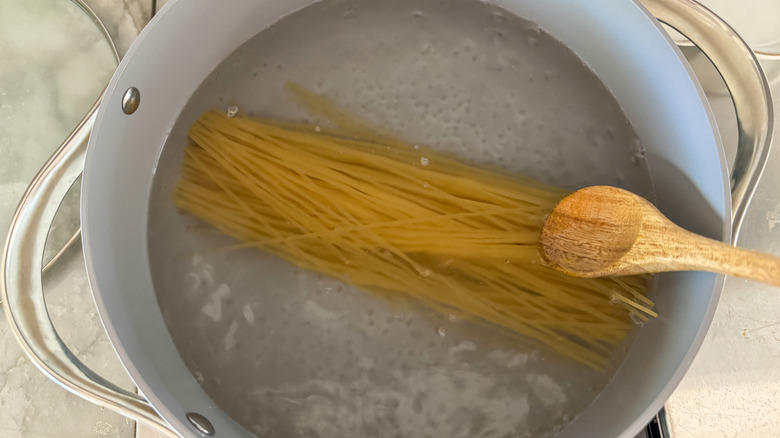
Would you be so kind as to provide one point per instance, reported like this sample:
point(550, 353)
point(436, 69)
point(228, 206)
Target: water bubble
point(498, 17)
point(638, 149)
point(441, 331)
point(198, 377)
point(317, 128)
point(636, 319)
point(424, 161)
point(425, 273)
point(349, 13)
point(499, 37)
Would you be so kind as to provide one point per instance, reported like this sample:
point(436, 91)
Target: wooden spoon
point(606, 231)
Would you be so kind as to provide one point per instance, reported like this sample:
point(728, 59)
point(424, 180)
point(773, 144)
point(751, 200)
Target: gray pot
point(621, 42)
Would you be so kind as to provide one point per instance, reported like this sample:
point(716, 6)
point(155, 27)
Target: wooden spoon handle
point(703, 254)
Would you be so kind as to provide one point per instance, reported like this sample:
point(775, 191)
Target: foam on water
point(287, 352)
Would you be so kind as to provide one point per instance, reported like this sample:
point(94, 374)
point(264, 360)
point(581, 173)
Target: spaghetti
point(398, 220)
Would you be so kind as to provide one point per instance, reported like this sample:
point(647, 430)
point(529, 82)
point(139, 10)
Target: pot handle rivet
point(201, 423)
point(131, 100)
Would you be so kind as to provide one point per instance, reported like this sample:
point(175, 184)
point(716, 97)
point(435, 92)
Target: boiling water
point(289, 353)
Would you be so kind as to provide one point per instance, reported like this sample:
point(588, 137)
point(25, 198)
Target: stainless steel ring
point(742, 73)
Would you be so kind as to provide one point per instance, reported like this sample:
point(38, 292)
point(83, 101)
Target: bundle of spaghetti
point(403, 221)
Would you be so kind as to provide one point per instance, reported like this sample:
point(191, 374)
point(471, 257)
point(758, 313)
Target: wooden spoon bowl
point(606, 231)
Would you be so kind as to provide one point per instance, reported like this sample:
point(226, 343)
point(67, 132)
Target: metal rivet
point(201, 423)
point(131, 100)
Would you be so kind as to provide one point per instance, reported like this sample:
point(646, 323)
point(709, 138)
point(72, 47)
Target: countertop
point(731, 390)
point(55, 65)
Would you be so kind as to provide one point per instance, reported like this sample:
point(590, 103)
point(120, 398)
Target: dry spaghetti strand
point(455, 237)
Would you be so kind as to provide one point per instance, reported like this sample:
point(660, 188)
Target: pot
point(620, 41)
